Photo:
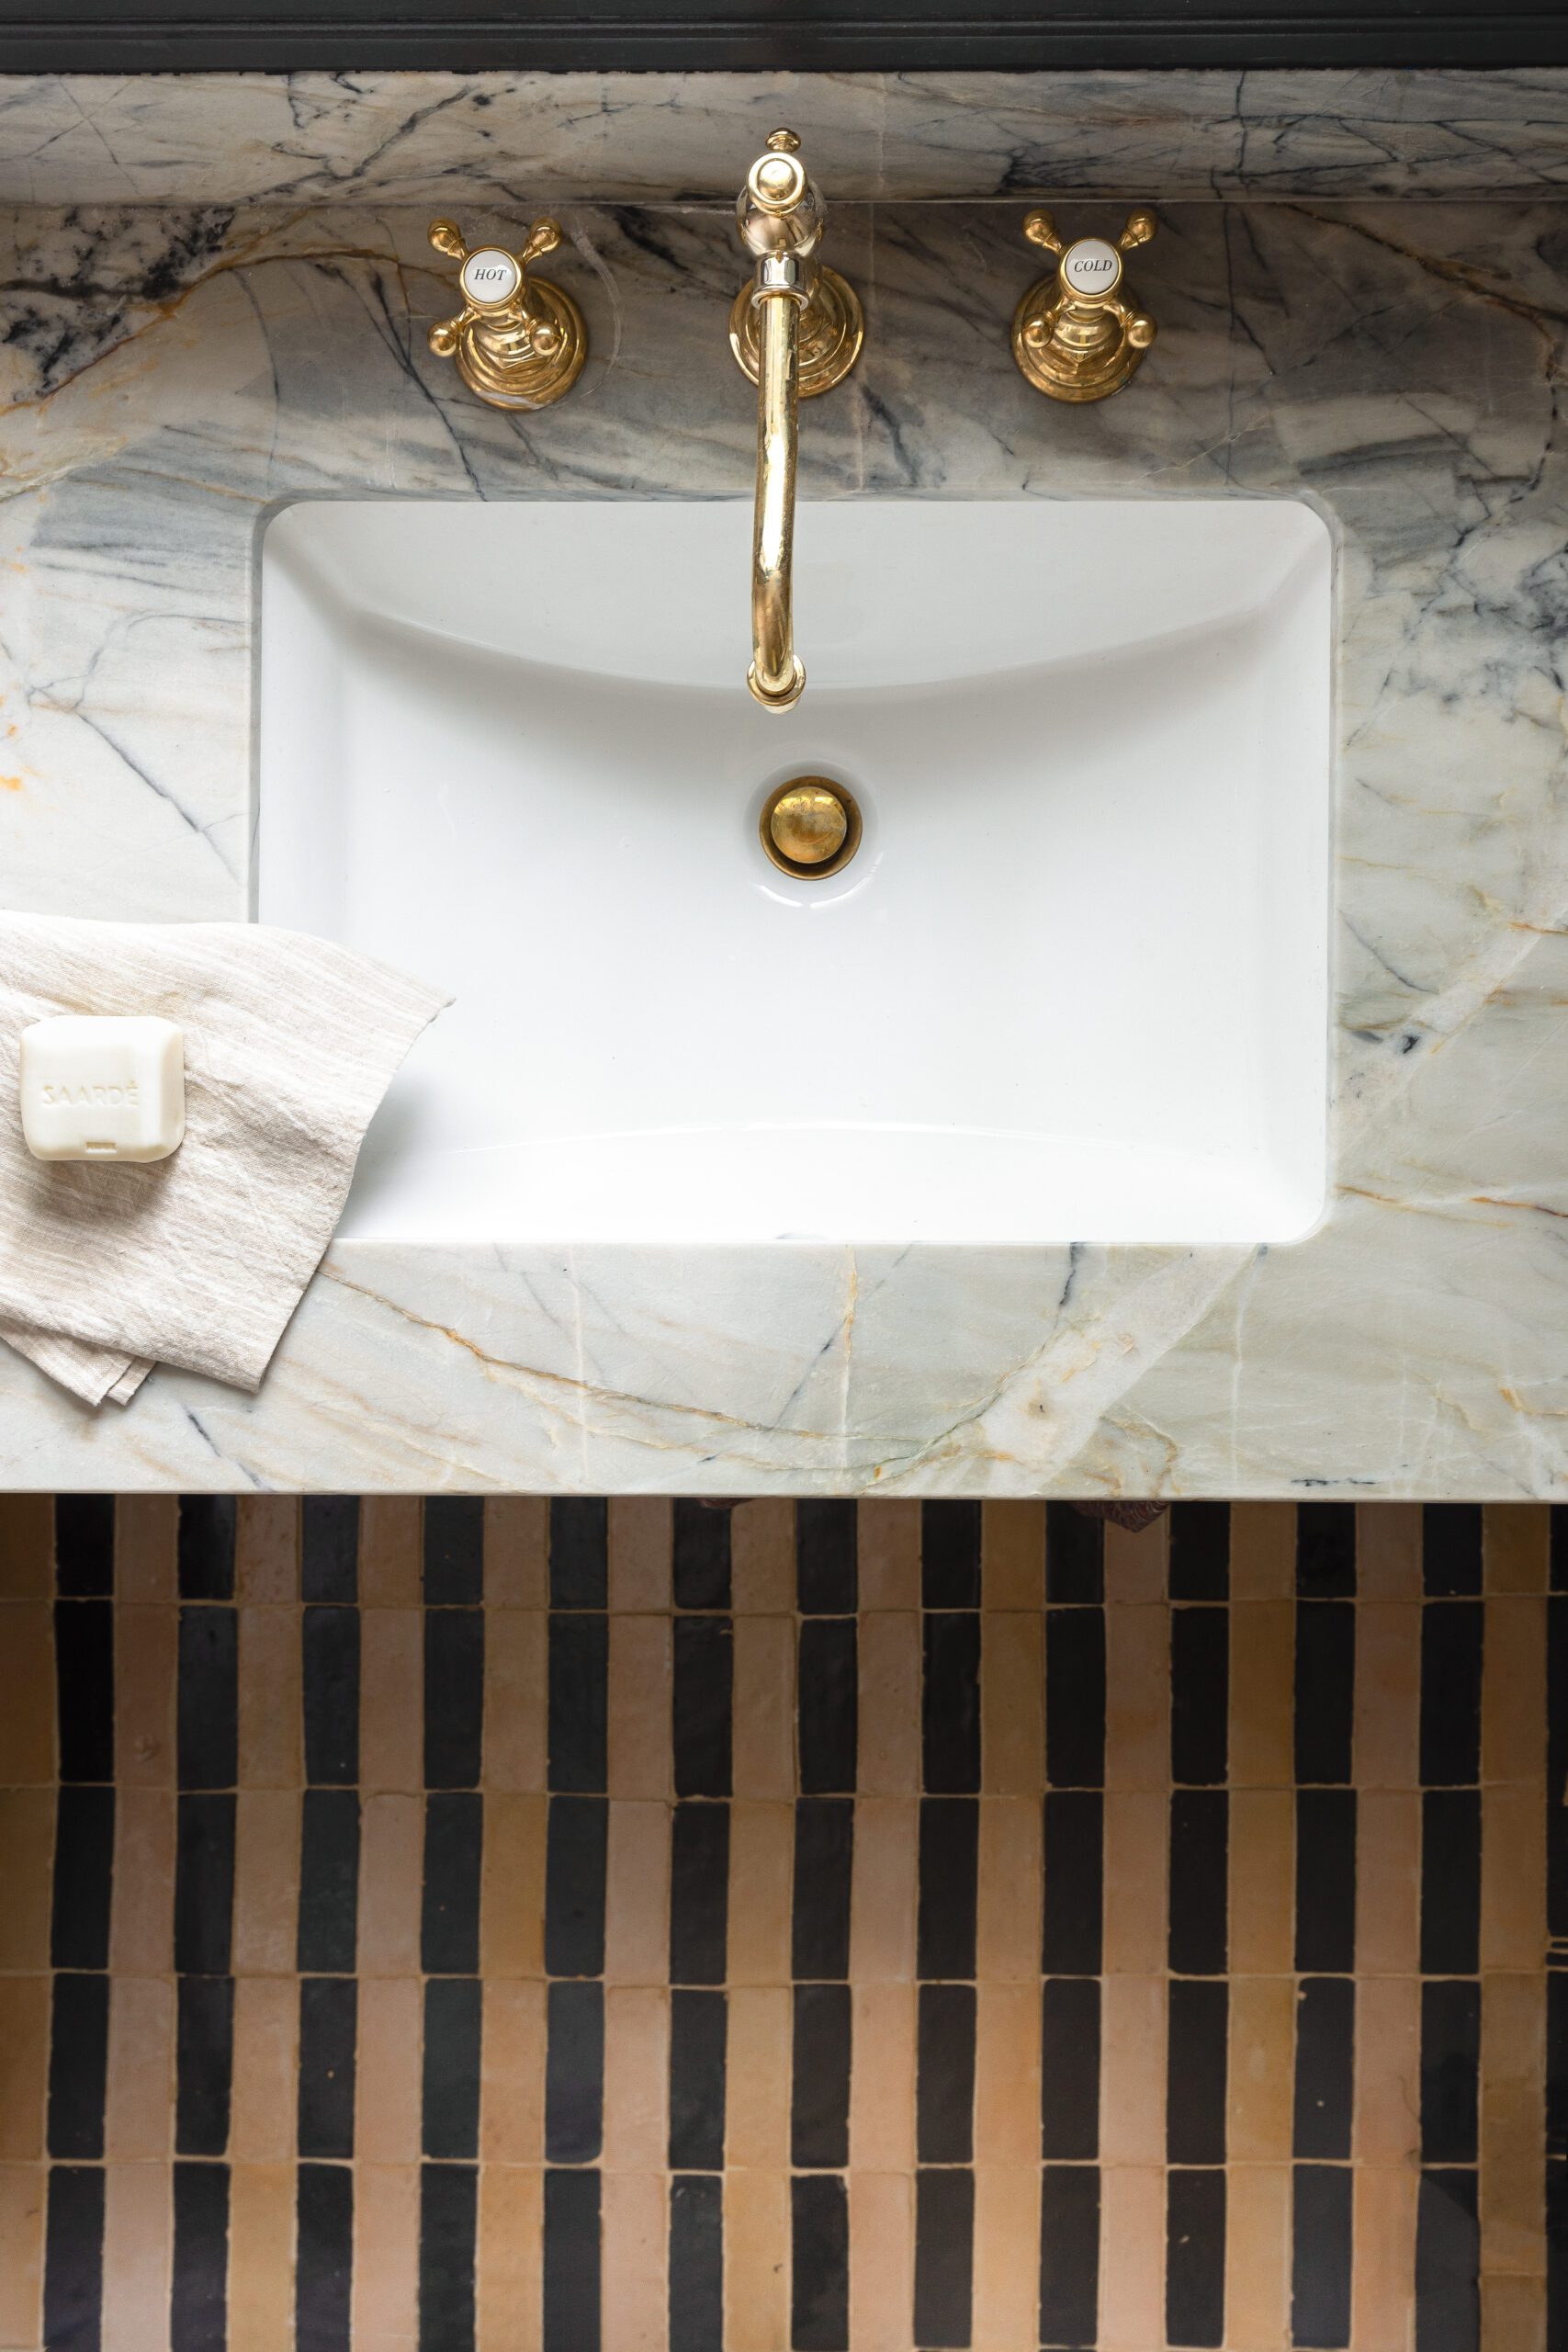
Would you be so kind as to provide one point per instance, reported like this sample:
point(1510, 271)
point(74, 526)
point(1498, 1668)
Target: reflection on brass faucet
point(518, 341)
point(1073, 334)
point(797, 330)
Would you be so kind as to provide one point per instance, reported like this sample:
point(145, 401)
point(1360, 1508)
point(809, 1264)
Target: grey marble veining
point(173, 373)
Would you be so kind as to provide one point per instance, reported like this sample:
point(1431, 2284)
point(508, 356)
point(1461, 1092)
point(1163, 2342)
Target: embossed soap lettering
point(108, 1096)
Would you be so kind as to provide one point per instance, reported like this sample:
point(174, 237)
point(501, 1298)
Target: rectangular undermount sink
point(1072, 987)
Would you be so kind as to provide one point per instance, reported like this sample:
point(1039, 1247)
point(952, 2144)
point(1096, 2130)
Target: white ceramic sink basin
point(1073, 987)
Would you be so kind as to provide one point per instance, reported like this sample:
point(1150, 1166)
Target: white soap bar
point(103, 1086)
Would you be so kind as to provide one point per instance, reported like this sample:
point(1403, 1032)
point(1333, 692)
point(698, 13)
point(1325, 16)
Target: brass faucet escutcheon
point(519, 341)
point(795, 327)
point(1074, 335)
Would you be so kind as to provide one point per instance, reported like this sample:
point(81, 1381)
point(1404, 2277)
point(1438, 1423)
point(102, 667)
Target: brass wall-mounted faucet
point(1073, 334)
point(796, 329)
point(519, 341)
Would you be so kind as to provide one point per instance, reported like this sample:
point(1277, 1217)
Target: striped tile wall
point(475, 1926)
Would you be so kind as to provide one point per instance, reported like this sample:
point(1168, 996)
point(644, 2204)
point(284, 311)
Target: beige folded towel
point(199, 1260)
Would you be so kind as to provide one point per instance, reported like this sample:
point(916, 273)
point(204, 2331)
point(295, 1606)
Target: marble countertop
point(178, 362)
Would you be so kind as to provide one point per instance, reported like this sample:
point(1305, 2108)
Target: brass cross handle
point(519, 341)
point(1073, 334)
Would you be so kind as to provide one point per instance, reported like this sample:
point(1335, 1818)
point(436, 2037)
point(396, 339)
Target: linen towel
point(196, 1260)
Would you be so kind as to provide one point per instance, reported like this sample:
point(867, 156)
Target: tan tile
point(511, 1886)
point(642, 1543)
point(1260, 2085)
point(1262, 1706)
point(22, 2192)
point(1009, 1913)
point(517, 1552)
point(1012, 1555)
point(636, 1910)
point(267, 2070)
point(391, 1856)
point(1263, 1551)
point(1386, 2124)
point(146, 1675)
point(1513, 2314)
point(1512, 1710)
point(889, 1539)
point(1513, 1885)
point(889, 1684)
point(1388, 1882)
point(1007, 2075)
point(1132, 2260)
point(387, 2071)
point(1007, 2258)
point(1388, 1694)
point(26, 1694)
point(27, 1866)
point(1137, 1565)
point(756, 2268)
point(24, 2067)
point(267, 1881)
point(1257, 2258)
point(1138, 1696)
point(1516, 1547)
point(512, 2106)
point(756, 2123)
point(636, 2078)
point(636, 2262)
point(391, 1544)
point(27, 1547)
point(140, 2105)
point(881, 2079)
point(142, 1929)
point(1012, 1695)
point(266, 1548)
point(882, 2260)
point(516, 1707)
point(1262, 1880)
point(138, 2237)
point(883, 1892)
point(638, 1707)
point(146, 1548)
point(509, 2266)
point(1513, 2124)
point(384, 2312)
point(1136, 1853)
point(763, 1709)
point(761, 1862)
point(762, 1558)
point(261, 2257)
point(1388, 1551)
point(1382, 2224)
point(1132, 2070)
point(391, 1700)
point(271, 1755)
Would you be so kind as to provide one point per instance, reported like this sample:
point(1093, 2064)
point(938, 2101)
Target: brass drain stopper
point(810, 826)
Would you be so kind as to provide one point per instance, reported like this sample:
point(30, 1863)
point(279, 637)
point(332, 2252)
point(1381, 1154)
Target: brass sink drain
point(810, 827)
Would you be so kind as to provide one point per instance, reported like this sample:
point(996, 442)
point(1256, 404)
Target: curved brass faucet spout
point(777, 673)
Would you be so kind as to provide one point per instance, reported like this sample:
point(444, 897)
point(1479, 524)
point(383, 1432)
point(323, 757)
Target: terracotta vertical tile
point(641, 1545)
point(889, 1694)
point(146, 1643)
point(1262, 1882)
point(517, 1551)
point(1257, 2258)
point(511, 1886)
point(636, 1910)
point(391, 1700)
point(1009, 1917)
point(756, 2273)
point(1263, 1677)
point(762, 1558)
point(1132, 2071)
point(1137, 1565)
point(1386, 2121)
point(141, 1926)
point(391, 1542)
point(388, 2071)
point(266, 1549)
point(882, 2260)
point(24, 2067)
point(1263, 1551)
point(1512, 1716)
point(386, 2257)
point(267, 1881)
point(22, 2193)
point(762, 1865)
point(516, 1704)
point(1132, 2260)
point(756, 2122)
point(636, 2078)
point(1388, 1694)
point(261, 2257)
point(1138, 1696)
point(1382, 2224)
point(512, 2104)
point(509, 2265)
point(763, 1707)
point(1388, 1551)
point(881, 2079)
point(27, 1547)
point(1007, 2256)
point(140, 2106)
point(266, 2095)
point(1513, 1883)
point(1513, 2125)
point(1136, 1849)
point(1012, 1694)
point(26, 1694)
point(27, 1865)
point(1012, 1555)
point(1261, 2077)
point(638, 1707)
point(889, 1539)
point(391, 1857)
point(1513, 2314)
point(138, 2237)
point(1516, 1540)
point(146, 1548)
point(271, 1751)
point(883, 1889)
point(636, 2262)
point(1007, 2076)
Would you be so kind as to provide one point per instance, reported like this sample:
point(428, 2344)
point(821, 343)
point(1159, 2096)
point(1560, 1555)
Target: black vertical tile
point(571, 2262)
point(449, 1910)
point(944, 2255)
point(819, 2096)
point(819, 2282)
point(1200, 1551)
point(1326, 1689)
point(1074, 1910)
point(949, 1879)
point(1325, 2044)
point(574, 2073)
point(1069, 2257)
point(204, 2066)
point(1557, 1735)
point(1448, 2265)
point(698, 2029)
point(83, 1667)
point(204, 1550)
point(699, 1894)
point(579, 1654)
point(701, 1555)
point(454, 1551)
point(1558, 1546)
point(951, 1702)
point(1557, 2063)
point(330, 1657)
point(327, 1937)
point(74, 2260)
point(78, 2067)
point(1450, 2071)
point(1074, 1698)
point(199, 2303)
point(580, 1551)
point(1450, 1548)
point(1450, 1882)
point(1195, 2258)
point(575, 1855)
point(944, 2076)
point(1200, 1695)
point(1325, 1550)
point(83, 1546)
point(1198, 2031)
point(329, 1547)
point(329, 2025)
point(454, 2026)
point(950, 1556)
point(1326, 1880)
point(453, 1696)
point(324, 2272)
point(204, 1885)
point(1075, 1555)
point(84, 1877)
point(1199, 1831)
point(827, 1577)
point(1556, 2225)
point(827, 1705)
point(1320, 2251)
point(1450, 1692)
point(696, 2265)
point(702, 1711)
point(209, 1714)
point(448, 2218)
point(824, 1857)
point(1069, 2069)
